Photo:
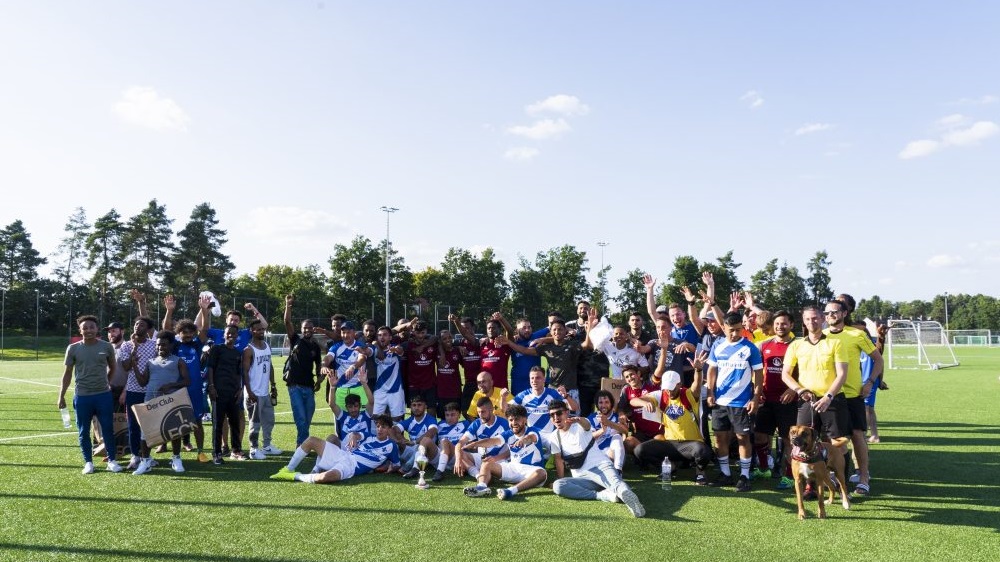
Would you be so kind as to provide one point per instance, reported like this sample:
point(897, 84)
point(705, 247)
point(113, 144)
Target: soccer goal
point(970, 337)
point(916, 344)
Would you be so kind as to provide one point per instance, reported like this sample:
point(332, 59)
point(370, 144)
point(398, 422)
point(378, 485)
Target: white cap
point(670, 380)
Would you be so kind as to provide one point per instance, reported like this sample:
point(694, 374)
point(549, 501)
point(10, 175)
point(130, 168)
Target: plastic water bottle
point(65, 417)
point(665, 471)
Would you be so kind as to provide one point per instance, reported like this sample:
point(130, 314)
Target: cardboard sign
point(614, 386)
point(121, 434)
point(166, 417)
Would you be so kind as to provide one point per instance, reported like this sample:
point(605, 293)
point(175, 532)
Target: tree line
point(97, 263)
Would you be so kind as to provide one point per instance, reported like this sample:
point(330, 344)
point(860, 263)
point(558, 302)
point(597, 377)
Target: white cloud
point(145, 107)
point(979, 131)
point(945, 260)
point(753, 98)
point(562, 104)
point(521, 153)
point(916, 149)
point(901, 264)
point(954, 136)
point(951, 121)
point(812, 128)
point(886, 281)
point(982, 100)
point(542, 129)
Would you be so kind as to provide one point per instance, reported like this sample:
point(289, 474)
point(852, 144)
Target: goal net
point(970, 337)
point(916, 344)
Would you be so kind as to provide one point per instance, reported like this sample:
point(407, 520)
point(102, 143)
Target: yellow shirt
point(815, 362)
point(494, 397)
point(853, 341)
point(760, 337)
point(679, 423)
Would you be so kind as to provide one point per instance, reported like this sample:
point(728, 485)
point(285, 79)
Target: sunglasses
point(831, 312)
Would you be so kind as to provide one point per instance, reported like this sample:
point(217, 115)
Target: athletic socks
point(513, 490)
point(307, 478)
point(442, 461)
point(297, 457)
point(745, 467)
point(724, 466)
point(763, 455)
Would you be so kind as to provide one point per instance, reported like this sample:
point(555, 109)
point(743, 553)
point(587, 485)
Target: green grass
point(935, 481)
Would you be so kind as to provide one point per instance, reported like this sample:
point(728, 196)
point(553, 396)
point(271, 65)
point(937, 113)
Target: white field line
point(2, 394)
point(29, 382)
point(6, 439)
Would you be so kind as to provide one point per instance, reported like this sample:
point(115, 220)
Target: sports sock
point(307, 478)
point(763, 455)
point(442, 462)
point(481, 486)
point(513, 490)
point(745, 467)
point(724, 466)
point(297, 457)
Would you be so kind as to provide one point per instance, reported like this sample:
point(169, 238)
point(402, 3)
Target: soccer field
point(936, 495)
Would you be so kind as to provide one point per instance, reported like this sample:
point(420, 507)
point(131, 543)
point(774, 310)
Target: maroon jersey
point(420, 369)
point(650, 428)
point(495, 361)
point(449, 385)
point(471, 362)
point(773, 351)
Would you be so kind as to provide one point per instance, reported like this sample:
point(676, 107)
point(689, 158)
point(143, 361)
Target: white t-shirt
point(573, 441)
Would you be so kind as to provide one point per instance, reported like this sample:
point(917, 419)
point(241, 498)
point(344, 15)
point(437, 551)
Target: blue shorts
point(197, 395)
point(870, 399)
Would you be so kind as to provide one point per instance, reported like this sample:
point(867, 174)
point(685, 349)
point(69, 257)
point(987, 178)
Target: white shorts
point(515, 472)
point(477, 462)
point(394, 402)
point(334, 458)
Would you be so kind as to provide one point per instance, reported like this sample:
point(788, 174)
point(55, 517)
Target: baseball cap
point(670, 380)
point(661, 309)
point(114, 325)
point(708, 316)
point(348, 326)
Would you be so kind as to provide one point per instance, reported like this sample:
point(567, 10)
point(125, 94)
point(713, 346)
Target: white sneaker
point(88, 468)
point(133, 463)
point(176, 464)
point(607, 496)
point(114, 467)
point(271, 450)
point(153, 463)
point(257, 455)
point(145, 466)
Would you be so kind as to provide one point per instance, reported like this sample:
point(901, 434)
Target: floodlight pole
point(37, 316)
point(388, 212)
point(602, 245)
point(946, 311)
point(3, 321)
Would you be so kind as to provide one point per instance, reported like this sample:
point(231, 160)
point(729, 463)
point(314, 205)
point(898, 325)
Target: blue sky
point(663, 128)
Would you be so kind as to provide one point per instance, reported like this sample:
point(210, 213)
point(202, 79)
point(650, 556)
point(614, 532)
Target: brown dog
point(813, 459)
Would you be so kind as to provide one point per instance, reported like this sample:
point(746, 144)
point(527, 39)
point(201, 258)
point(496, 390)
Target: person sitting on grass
point(162, 375)
point(334, 464)
point(608, 429)
point(521, 462)
point(488, 424)
point(593, 476)
point(450, 430)
point(421, 428)
point(354, 425)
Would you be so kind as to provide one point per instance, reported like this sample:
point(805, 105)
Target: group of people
point(706, 383)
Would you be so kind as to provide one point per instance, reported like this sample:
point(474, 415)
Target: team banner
point(166, 417)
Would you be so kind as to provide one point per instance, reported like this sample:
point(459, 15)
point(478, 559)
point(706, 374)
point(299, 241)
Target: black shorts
point(775, 415)
point(429, 395)
point(728, 418)
point(833, 423)
point(468, 391)
point(856, 413)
